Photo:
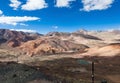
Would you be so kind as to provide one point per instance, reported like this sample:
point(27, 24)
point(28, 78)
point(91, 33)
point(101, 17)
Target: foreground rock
point(11, 72)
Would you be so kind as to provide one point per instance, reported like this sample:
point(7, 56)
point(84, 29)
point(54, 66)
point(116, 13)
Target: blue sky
point(59, 15)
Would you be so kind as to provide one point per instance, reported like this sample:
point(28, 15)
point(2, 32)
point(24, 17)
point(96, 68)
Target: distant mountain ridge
point(57, 42)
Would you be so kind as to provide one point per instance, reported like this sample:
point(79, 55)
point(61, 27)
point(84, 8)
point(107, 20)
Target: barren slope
point(108, 50)
point(50, 45)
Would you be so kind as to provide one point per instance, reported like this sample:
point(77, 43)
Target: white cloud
point(14, 20)
point(1, 12)
point(34, 5)
point(15, 4)
point(63, 3)
point(25, 30)
point(55, 27)
point(89, 5)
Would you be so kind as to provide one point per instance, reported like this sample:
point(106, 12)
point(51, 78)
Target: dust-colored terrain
point(59, 57)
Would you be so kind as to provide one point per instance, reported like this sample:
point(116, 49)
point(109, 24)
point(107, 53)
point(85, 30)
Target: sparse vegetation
point(65, 70)
point(69, 70)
